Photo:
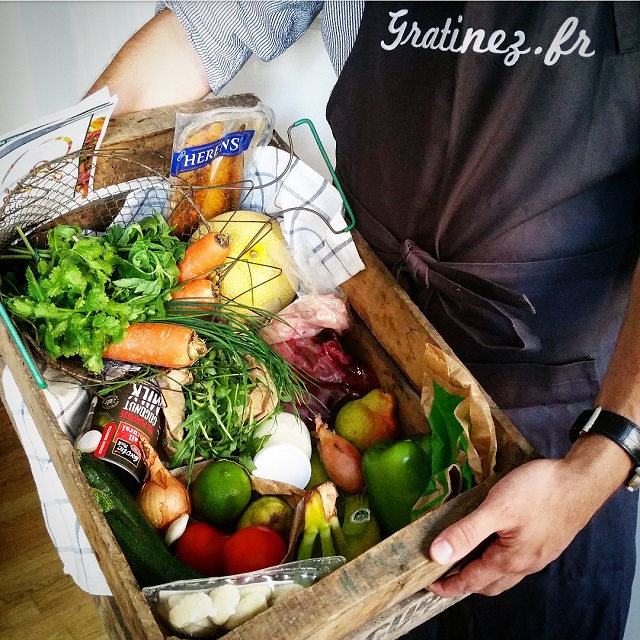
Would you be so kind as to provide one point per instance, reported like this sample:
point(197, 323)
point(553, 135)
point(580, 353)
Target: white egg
point(284, 463)
point(286, 428)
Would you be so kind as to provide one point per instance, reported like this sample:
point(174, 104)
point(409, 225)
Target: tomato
point(253, 548)
point(202, 548)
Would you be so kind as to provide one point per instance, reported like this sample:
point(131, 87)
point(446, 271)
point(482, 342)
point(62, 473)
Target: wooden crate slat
point(127, 596)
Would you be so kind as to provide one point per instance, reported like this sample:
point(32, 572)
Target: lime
point(221, 492)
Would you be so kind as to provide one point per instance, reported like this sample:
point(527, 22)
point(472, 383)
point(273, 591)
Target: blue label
point(195, 157)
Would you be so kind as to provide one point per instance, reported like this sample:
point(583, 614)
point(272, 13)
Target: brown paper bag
point(464, 441)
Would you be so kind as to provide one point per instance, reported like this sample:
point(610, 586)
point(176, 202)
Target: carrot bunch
point(201, 258)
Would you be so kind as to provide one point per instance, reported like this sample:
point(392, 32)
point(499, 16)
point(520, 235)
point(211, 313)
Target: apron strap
point(467, 297)
point(459, 284)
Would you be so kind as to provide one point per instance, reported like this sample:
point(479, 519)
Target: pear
point(368, 419)
point(269, 511)
point(318, 472)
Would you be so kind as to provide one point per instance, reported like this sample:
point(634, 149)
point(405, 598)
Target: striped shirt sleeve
point(340, 25)
point(226, 34)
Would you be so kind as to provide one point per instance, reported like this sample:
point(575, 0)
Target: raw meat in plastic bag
point(307, 316)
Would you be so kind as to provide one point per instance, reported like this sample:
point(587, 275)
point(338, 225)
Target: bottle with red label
point(125, 416)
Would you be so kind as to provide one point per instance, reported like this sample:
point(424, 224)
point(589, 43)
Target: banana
point(359, 527)
point(320, 521)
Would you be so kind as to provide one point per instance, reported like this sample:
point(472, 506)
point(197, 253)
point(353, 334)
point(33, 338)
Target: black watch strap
point(622, 431)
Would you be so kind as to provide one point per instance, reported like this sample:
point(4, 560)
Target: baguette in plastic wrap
point(210, 151)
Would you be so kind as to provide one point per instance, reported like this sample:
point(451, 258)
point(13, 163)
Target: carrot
point(203, 256)
point(202, 291)
point(159, 345)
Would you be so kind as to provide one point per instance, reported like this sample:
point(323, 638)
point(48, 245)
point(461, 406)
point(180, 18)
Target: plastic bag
point(211, 607)
point(210, 152)
point(307, 316)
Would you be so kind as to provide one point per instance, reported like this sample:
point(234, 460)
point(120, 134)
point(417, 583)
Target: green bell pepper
point(396, 473)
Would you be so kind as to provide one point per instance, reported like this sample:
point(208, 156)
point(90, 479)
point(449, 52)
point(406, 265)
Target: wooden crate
point(381, 593)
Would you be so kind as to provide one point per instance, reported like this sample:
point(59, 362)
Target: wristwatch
point(622, 431)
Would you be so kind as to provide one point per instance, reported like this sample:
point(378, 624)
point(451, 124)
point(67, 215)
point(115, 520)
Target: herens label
point(196, 157)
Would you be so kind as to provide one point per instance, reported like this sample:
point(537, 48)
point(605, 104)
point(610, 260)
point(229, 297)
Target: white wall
point(52, 52)
point(296, 85)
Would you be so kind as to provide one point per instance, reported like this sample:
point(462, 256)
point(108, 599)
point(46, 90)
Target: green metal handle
point(35, 372)
point(325, 157)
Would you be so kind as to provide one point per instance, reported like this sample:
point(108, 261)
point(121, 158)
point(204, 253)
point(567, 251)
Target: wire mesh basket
point(60, 192)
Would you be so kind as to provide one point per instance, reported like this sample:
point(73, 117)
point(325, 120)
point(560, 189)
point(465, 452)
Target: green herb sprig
point(217, 424)
point(83, 291)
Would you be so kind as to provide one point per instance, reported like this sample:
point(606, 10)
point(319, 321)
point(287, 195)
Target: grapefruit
point(253, 274)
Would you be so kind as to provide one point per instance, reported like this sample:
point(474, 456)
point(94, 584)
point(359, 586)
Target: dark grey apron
point(500, 185)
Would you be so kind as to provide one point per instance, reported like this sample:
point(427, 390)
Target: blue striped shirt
point(226, 34)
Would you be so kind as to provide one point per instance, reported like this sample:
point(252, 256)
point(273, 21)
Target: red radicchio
point(333, 377)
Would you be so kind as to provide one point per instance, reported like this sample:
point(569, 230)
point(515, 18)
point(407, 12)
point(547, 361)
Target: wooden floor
point(37, 600)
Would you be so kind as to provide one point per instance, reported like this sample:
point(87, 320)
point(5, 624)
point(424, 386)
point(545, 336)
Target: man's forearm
point(596, 456)
point(156, 67)
point(620, 390)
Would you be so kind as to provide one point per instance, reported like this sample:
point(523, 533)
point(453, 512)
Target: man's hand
point(535, 512)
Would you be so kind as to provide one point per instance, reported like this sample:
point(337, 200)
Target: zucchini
point(143, 547)
point(149, 564)
point(101, 477)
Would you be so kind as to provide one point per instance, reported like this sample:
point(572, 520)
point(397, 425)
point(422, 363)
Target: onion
point(162, 497)
point(341, 460)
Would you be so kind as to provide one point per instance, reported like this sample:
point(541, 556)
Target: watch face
point(634, 481)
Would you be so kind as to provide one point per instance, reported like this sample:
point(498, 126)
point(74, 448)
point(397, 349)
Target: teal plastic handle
point(26, 356)
point(336, 182)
